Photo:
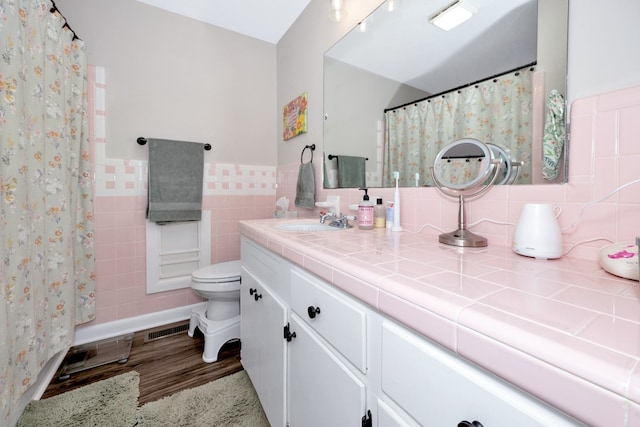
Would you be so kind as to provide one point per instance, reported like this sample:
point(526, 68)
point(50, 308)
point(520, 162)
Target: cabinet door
point(322, 390)
point(263, 350)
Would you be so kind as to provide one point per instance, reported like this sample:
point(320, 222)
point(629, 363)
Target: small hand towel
point(554, 136)
point(351, 172)
point(175, 180)
point(306, 186)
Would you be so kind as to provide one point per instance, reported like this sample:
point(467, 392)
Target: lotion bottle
point(379, 215)
point(365, 212)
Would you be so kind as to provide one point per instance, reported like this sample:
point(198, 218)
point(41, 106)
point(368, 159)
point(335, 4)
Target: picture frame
point(294, 117)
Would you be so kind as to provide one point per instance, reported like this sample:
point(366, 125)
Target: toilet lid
point(221, 272)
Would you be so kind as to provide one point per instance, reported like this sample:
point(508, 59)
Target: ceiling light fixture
point(451, 16)
point(337, 12)
point(393, 5)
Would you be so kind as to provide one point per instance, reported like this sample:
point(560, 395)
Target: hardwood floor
point(166, 366)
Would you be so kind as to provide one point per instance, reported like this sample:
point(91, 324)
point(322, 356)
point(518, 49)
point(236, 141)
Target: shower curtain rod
point(54, 9)
point(495, 76)
point(142, 141)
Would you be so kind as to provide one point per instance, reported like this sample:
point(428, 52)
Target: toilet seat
point(218, 273)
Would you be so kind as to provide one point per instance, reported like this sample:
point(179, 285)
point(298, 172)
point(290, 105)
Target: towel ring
point(312, 147)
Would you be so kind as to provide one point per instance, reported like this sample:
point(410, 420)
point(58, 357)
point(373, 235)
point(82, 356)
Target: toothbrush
point(396, 205)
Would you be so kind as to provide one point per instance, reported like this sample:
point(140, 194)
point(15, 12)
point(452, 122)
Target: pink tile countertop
point(564, 330)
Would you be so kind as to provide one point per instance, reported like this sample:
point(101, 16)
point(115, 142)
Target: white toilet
point(219, 321)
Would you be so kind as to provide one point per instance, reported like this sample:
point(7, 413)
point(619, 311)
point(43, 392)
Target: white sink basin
point(306, 226)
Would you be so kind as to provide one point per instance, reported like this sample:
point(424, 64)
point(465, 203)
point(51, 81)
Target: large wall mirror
point(397, 89)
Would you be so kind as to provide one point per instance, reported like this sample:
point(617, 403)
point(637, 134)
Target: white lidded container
point(537, 232)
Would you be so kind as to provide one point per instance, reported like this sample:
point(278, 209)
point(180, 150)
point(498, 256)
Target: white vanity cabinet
point(263, 315)
point(318, 357)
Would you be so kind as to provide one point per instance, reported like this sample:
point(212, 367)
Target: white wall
point(603, 45)
point(177, 78)
point(300, 58)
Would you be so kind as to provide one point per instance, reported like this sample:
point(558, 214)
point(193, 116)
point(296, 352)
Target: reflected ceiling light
point(451, 16)
point(364, 26)
point(393, 5)
point(337, 12)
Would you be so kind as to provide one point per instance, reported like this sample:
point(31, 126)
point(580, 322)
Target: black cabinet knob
point(254, 292)
point(470, 424)
point(313, 311)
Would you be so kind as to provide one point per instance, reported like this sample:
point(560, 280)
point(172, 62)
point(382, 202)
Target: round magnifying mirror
point(463, 165)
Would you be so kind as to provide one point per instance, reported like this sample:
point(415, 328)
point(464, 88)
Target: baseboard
point(91, 333)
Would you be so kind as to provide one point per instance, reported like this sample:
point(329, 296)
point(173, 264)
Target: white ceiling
point(403, 34)
point(404, 47)
point(266, 20)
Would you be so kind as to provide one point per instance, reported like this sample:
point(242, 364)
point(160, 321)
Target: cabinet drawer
point(266, 266)
point(340, 322)
point(438, 388)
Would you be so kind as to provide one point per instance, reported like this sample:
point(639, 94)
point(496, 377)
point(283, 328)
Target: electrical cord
point(575, 245)
point(575, 221)
point(473, 224)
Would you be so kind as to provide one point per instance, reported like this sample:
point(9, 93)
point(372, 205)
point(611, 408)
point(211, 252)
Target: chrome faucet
point(342, 221)
point(325, 215)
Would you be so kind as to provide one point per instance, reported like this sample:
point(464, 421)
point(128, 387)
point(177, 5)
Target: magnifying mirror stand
point(462, 236)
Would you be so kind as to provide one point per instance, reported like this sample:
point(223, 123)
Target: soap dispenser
point(365, 212)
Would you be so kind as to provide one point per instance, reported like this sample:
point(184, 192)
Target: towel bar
point(331, 157)
point(142, 141)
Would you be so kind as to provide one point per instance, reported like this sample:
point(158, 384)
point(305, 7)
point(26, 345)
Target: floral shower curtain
point(47, 281)
point(498, 111)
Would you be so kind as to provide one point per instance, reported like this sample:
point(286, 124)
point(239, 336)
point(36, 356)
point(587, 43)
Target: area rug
point(229, 401)
point(110, 402)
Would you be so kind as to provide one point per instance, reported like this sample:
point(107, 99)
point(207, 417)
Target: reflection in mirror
point(465, 168)
point(510, 168)
point(462, 165)
point(403, 61)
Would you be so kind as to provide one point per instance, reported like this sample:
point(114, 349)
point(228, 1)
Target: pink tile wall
point(604, 155)
point(121, 245)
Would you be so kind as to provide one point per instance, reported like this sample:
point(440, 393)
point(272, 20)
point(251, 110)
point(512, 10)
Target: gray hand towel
point(351, 172)
point(175, 180)
point(306, 187)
